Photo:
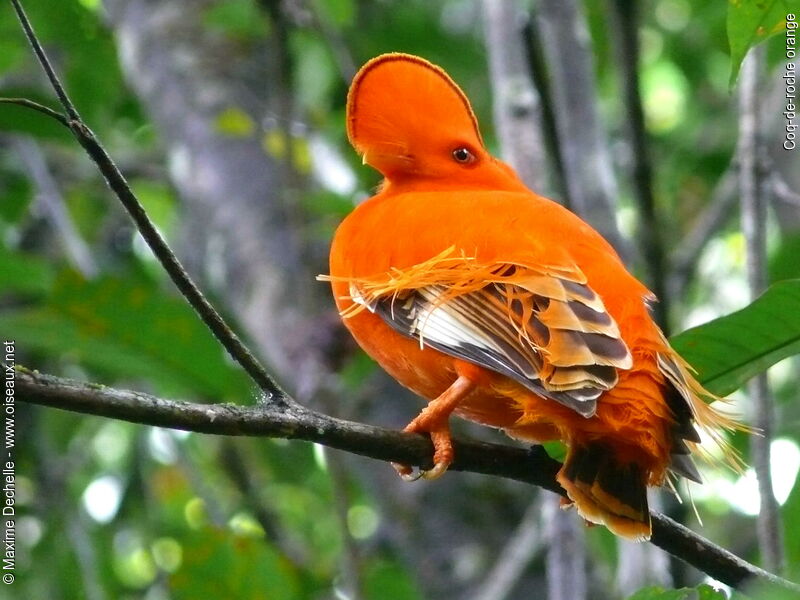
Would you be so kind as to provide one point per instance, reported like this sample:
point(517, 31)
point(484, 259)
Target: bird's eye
point(463, 156)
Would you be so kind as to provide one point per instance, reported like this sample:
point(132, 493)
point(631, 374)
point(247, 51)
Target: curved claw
point(433, 421)
point(437, 471)
point(407, 473)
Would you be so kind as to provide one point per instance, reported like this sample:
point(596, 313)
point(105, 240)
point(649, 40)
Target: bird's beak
point(386, 159)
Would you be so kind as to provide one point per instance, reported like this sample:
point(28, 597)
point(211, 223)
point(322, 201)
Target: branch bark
point(532, 466)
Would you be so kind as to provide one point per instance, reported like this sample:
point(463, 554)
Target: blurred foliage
point(703, 592)
point(117, 510)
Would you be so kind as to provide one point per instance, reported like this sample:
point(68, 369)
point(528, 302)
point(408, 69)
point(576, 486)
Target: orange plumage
point(503, 307)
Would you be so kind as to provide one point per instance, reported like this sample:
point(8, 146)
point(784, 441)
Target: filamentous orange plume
point(503, 307)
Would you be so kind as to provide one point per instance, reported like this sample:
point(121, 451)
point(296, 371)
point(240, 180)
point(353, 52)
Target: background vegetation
point(227, 116)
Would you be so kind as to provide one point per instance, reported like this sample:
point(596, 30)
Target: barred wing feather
point(550, 333)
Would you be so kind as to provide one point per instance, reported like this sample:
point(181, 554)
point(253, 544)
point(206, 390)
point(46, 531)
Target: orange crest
point(401, 107)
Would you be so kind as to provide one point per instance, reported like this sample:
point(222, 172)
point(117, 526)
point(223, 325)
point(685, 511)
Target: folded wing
point(547, 330)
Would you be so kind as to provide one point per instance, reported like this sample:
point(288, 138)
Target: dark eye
point(463, 156)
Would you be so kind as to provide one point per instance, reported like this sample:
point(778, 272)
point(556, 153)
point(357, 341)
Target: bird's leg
point(434, 420)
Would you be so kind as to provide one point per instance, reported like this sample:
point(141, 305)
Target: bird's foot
point(433, 420)
point(442, 444)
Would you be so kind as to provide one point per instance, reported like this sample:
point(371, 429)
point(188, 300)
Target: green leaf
point(701, 592)
point(730, 350)
point(128, 329)
point(158, 201)
point(339, 12)
point(750, 22)
point(556, 450)
point(706, 592)
point(315, 77)
point(659, 593)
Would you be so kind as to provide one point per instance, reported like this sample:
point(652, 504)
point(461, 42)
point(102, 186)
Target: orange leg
point(434, 420)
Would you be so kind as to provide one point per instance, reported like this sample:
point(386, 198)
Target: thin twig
point(147, 229)
point(50, 468)
point(296, 422)
point(247, 479)
point(782, 190)
point(754, 211)
point(626, 16)
point(532, 39)
point(38, 107)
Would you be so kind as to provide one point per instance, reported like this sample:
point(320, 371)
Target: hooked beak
point(387, 160)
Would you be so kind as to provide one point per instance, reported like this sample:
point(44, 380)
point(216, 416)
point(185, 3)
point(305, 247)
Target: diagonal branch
point(147, 229)
point(532, 466)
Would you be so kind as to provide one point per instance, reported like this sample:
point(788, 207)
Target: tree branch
point(147, 229)
point(532, 466)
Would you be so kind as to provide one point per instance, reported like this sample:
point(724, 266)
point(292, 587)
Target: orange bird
point(503, 307)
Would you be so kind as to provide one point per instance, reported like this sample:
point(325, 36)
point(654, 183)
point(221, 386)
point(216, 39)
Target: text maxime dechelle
point(8, 474)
